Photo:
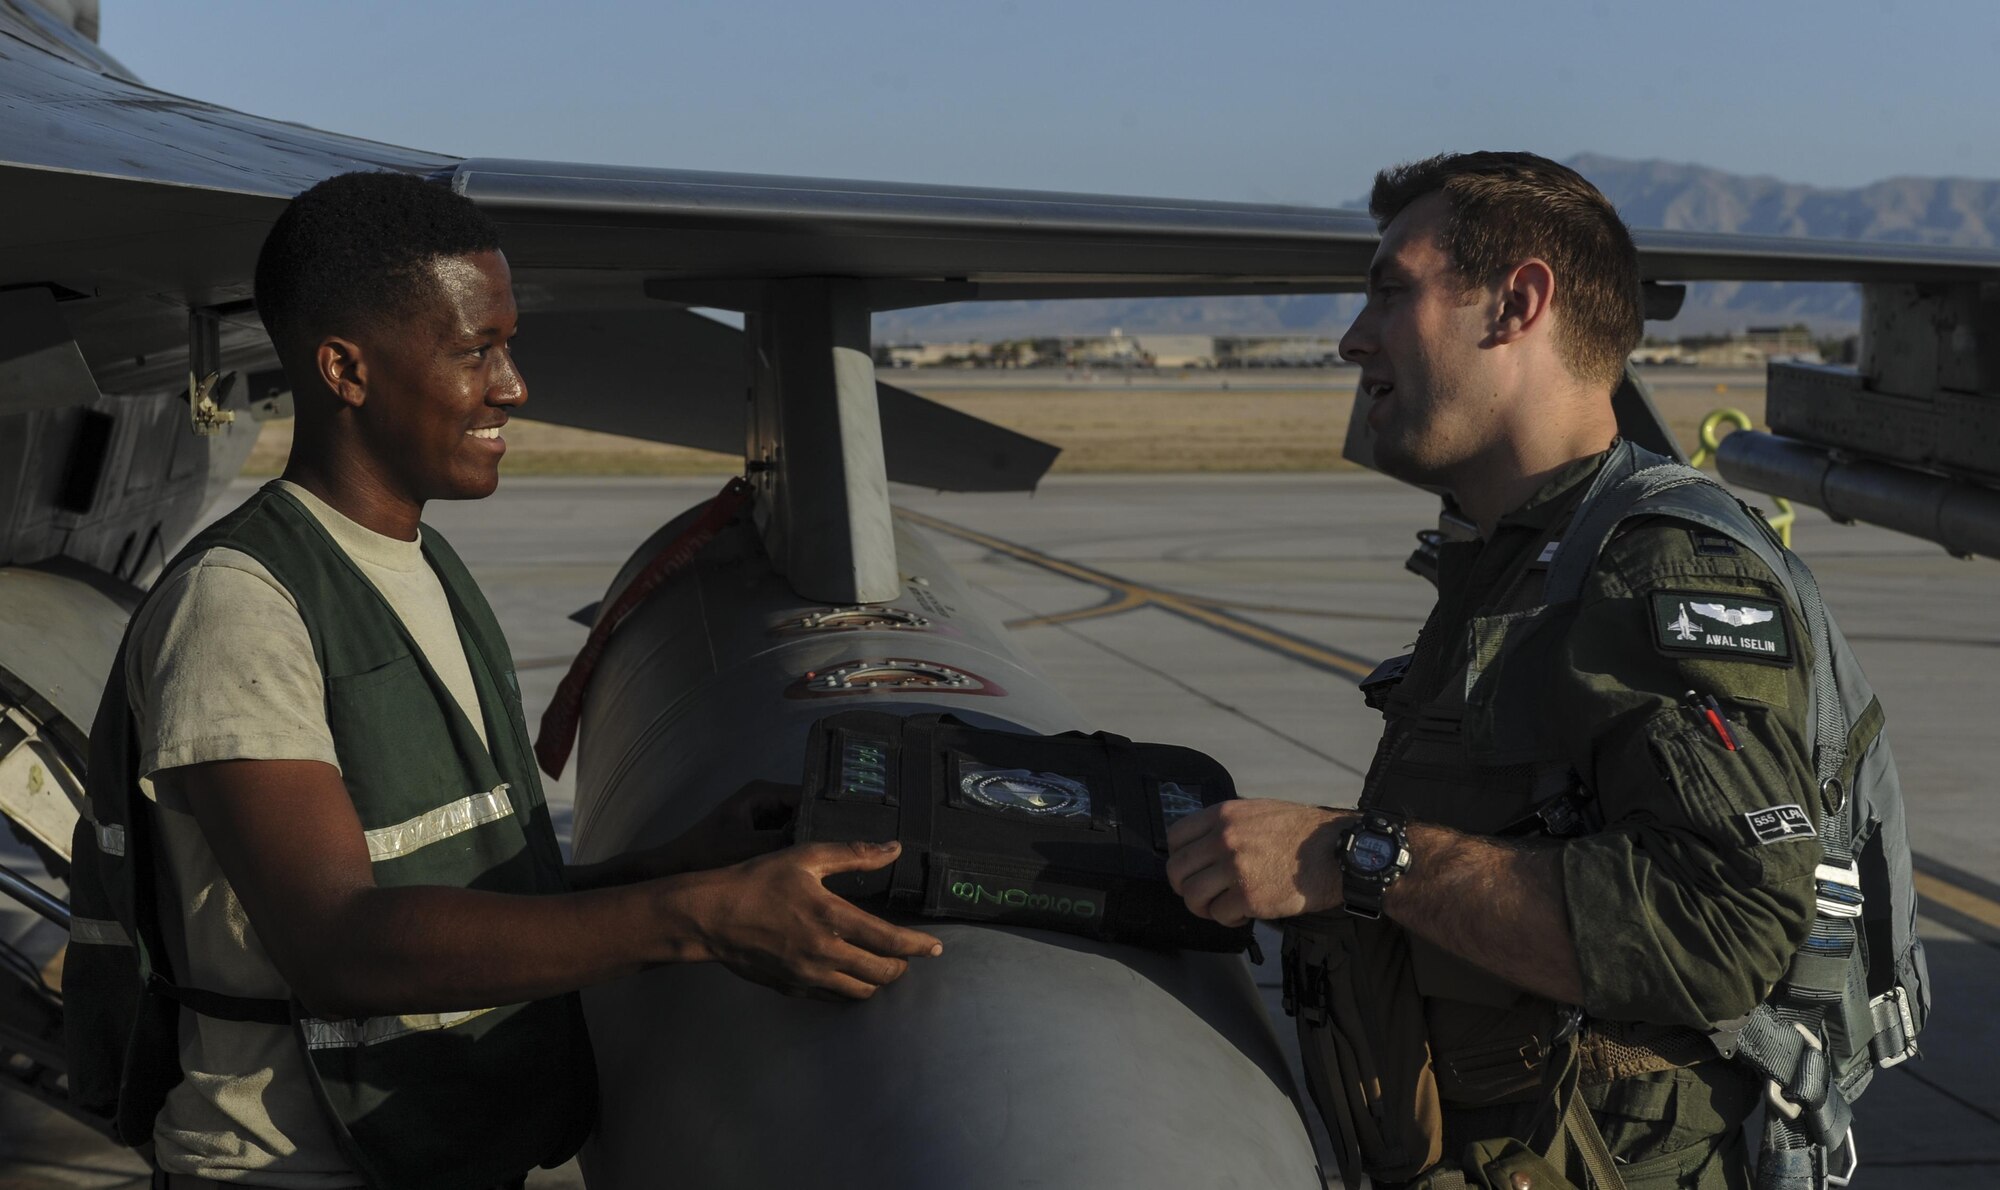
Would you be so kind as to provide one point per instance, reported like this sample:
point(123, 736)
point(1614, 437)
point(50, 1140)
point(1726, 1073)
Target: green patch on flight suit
point(1720, 624)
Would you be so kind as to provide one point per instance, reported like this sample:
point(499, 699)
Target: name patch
point(1775, 824)
point(1725, 625)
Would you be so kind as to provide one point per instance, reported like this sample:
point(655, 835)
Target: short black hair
point(348, 253)
point(1505, 208)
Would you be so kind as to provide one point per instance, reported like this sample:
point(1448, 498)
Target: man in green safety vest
point(325, 936)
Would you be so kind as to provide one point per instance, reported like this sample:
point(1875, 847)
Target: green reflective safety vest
point(435, 1100)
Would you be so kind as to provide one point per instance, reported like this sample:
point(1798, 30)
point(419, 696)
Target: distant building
point(935, 355)
point(1751, 349)
point(1114, 350)
point(1788, 341)
point(1118, 350)
point(1659, 354)
point(1178, 351)
point(1729, 353)
point(1278, 351)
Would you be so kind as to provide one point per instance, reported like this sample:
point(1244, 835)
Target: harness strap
point(1572, 1125)
point(916, 816)
point(1829, 718)
point(1810, 1120)
point(1125, 796)
point(1580, 1127)
point(1620, 483)
point(1809, 1126)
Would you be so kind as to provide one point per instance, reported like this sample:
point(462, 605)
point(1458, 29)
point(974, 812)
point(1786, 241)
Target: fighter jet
point(1684, 628)
point(133, 373)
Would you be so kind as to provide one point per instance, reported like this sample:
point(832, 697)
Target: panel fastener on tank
point(890, 675)
point(854, 619)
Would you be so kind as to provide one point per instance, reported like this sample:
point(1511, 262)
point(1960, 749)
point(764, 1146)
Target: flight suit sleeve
point(1688, 904)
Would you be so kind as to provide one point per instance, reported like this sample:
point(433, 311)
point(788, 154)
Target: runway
point(1234, 613)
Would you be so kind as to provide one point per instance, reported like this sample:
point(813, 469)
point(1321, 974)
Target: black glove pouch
point(1063, 832)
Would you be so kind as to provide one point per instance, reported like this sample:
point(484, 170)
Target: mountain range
point(1962, 212)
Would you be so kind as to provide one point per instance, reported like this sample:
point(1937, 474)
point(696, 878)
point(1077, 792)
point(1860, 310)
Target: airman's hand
point(772, 921)
point(1256, 859)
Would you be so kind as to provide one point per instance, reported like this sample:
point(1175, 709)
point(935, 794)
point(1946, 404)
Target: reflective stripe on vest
point(97, 932)
point(331, 1035)
point(435, 826)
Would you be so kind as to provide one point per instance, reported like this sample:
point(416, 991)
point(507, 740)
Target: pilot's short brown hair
point(1506, 208)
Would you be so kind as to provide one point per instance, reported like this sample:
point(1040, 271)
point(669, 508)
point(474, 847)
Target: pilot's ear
point(1526, 293)
point(341, 368)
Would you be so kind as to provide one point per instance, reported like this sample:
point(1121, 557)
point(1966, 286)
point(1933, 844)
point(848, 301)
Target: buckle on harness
point(1839, 1181)
point(1562, 816)
point(1838, 889)
point(1809, 1098)
point(1895, 1039)
point(1382, 680)
point(1785, 1169)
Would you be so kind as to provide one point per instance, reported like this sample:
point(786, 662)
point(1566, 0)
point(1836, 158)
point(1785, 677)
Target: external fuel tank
point(1019, 1058)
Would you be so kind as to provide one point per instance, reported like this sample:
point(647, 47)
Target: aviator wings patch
point(1735, 617)
point(1720, 625)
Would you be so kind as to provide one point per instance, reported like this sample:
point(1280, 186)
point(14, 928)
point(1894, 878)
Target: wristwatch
point(1374, 854)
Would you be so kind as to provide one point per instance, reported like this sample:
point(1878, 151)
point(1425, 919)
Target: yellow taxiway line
point(1130, 596)
point(1939, 891)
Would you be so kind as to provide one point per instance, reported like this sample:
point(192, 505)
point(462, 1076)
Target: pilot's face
point(1418, 343)
point(443, 383)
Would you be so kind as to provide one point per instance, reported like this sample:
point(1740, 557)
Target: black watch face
point(1372, 854)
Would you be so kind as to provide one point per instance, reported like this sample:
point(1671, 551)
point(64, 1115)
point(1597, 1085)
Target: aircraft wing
point(130, 206)
point(117, 190)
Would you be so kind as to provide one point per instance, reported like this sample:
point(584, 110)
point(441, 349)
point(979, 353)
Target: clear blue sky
point(1259, 100)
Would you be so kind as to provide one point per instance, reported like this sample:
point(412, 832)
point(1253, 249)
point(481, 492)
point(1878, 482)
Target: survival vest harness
point(1856, 994)
point(435, 1100)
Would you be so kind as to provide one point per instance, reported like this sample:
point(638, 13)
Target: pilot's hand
point(772, 921)
point(1256, 859)
point(750, 822)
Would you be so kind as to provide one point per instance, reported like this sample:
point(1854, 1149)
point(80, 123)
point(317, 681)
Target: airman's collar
point(1554, 498)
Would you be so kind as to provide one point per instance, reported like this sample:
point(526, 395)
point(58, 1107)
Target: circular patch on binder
point(1018, 791)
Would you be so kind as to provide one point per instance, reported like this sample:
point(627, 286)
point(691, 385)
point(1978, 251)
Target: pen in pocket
point(1711, 710)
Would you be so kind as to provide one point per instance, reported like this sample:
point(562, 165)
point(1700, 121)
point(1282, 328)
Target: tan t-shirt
point(220, 667)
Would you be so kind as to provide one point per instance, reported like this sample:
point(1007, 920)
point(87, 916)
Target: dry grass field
point(1258, 422)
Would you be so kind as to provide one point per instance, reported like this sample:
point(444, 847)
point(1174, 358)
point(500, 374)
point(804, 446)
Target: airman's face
point(442, 383)
point(1418, 344)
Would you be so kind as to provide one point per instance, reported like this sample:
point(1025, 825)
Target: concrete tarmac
point(1234, 613)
